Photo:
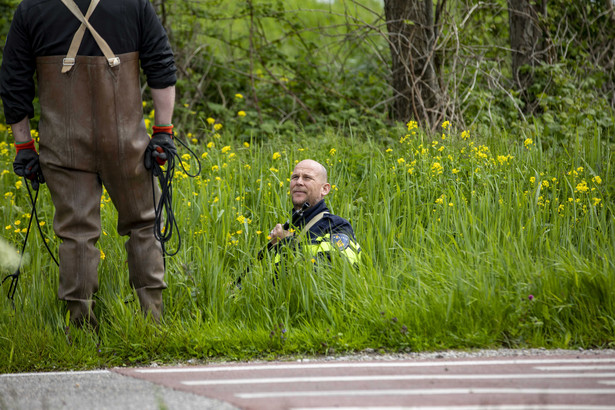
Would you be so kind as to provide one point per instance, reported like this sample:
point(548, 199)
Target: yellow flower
point(241, 219)
point(596, 201)
point(217, 127)
point(436, 168)
point(528, 143)
point(465, 135)
point(211, 121)
point(215, 168)
point(102, 255)
point(211, 144)
point(276, 155)
point(445, 124)
point(389, 150)
point(582, 187)
point(272, 169)
point(332, 151)
point(226, 149)
point(545, 184)
point(400, 161)
point(412, 125)
point(503, 159)
point(18, 184)
point(532, 180)
point(246, 144)
point(241, 113)
point(238, 96)
point(597, 180)
point(204, 155)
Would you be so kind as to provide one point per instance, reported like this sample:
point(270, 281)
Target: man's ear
point(326, 188)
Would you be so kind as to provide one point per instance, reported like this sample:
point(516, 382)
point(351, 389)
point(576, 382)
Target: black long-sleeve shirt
point(47, 27)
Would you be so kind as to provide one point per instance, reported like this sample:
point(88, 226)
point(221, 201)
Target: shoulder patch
point(340, 240)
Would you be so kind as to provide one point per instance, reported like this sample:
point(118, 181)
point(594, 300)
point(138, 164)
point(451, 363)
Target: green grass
point(457, 233)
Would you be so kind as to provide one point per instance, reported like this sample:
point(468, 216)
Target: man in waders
point(86, 55)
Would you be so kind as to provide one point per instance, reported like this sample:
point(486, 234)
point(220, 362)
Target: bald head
point(319, 170)
point(308, 183)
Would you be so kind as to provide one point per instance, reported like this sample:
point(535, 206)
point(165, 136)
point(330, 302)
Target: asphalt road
point(515, 380)
point(94, 390)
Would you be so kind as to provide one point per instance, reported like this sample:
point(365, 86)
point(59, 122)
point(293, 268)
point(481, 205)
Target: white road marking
point(568, 368)
point(319, 379)
point(55, 373)
point(476, 407)
point(419, 392)
point(369, 365)
point(609, 382)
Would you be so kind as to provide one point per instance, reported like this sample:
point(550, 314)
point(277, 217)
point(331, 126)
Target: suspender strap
point(315, 219)
point(69, 61)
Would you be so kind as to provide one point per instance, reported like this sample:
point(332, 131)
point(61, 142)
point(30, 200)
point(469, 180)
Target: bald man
point(324, 231)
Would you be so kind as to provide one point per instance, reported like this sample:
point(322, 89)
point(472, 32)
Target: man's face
point(308, 183)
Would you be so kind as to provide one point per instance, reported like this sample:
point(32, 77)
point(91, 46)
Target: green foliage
point(568, 100)
point(457, 230)
point(293, 65)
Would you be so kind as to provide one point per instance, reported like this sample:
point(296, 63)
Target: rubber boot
point(82, 314)
point(151, 302)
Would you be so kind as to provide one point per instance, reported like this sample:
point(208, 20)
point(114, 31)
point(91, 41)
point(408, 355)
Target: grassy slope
point(457, 233)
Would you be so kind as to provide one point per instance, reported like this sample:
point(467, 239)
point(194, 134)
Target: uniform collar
point(300, 220)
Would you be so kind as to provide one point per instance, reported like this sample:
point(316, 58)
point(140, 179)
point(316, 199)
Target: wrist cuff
point(25, 145)
point(167, 129)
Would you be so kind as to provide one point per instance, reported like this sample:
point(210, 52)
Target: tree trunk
point(527, 42)
point(412, 39)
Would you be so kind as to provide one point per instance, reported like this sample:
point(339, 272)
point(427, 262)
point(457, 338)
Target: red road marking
point(549, 383)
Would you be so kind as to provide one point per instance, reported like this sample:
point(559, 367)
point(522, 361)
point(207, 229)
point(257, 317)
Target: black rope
point(33, 216)
point(165, 224)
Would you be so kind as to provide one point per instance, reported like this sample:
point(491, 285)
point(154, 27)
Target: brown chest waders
point(92, 131)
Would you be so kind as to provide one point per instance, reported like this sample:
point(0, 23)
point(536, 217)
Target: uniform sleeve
point(17, 72)
point(157, 60)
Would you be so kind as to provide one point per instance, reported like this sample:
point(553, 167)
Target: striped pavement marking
point(347, 365)
point(568, 368)
point(416, 392)
point(279, 380)
point(547, 383)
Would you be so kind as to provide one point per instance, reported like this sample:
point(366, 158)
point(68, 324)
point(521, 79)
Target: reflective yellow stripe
point(323, 244)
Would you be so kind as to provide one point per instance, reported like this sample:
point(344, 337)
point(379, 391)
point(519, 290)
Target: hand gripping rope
point(165, 222)
point(33, 216)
